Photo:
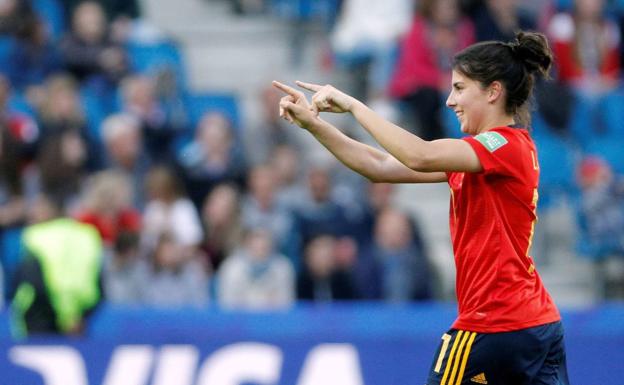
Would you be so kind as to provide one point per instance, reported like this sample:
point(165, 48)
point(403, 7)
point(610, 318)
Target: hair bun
point(533, 50)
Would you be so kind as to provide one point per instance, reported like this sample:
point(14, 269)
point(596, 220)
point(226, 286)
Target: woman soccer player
point(508, 330)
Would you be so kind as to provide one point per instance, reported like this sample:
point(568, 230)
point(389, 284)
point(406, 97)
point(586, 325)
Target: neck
point(498, 121)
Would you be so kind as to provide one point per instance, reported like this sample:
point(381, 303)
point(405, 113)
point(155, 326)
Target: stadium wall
point(364, 344)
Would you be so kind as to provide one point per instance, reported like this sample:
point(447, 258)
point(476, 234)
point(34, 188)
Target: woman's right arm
point(376, 165)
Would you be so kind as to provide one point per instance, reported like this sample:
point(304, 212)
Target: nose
point(450, 101)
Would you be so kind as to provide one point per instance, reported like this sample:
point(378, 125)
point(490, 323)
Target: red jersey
point(492, 219)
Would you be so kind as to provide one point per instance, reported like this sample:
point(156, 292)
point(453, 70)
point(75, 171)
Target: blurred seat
point(610, 148)
point(198, 104)
point(6, 47)
point(612, 113)
point(557, 157)
point(10, 253)
point(51, 13)
point(152, 57)
point(323, 10)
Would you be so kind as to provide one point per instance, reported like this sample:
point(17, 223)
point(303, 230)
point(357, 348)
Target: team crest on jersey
point(479, 379)
point(491, 140)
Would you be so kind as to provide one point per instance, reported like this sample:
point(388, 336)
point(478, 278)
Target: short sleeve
point(499, 152)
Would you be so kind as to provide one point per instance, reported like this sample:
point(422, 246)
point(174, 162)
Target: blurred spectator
point(245, 7)
point(124, 272)
point(63, 158)
point(17, 17)
point(256, 276)
point(261, 139)
point(88, 50)
point(18, 138)
point(114, 9)
point(319, 213)
point(169, 92)
point(392, 267)
point(58, 281)
point(33, 57)
point(320, 280)
point(286, 163)
point(123, 143)
point(175, 276)
point(169, 211)
point(260, 208)
point(379, 196)
point(107, 206)
point(139, 100)
point(601, 219)
point(60, 112)
point(364, 41)
point(422, 75)
point(586, 45)
point(499, 19)
point(222, 224)
point(213, 157)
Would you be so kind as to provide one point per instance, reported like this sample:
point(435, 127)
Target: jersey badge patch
point(491, 140)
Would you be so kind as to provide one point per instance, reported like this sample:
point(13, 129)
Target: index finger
point(309, 86)
point(289, 90)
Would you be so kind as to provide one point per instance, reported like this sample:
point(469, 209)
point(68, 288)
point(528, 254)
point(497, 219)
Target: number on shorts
point(446, 338)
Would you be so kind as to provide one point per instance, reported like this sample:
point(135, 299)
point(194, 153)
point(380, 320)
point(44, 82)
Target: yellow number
point(446, 338)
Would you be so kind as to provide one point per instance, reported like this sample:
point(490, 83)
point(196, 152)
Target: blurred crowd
point(110, 175)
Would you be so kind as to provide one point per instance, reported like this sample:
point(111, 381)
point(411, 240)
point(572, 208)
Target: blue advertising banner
point(363, 344)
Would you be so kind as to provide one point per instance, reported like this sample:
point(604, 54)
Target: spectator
point(212, 158)
point(422, 74)
point(169, 211)
point(222, 224)
point(319, 213)
point(256, 277)
point(33, 58)
point(124, 274)
point(18, 137)
point(122, 138)
point(107, 206)
point(88, 51)
point(175, 277)
point(140, 101)
point(320, 280)
point(261, 139)
point(64, 150)
point(260, 208)
point(17, 17)
point(60, 113)
point(286, 163)
point(601, 216)
point(114, 9)
point(393, 268)
point(58, 282)
point(586, 45)
point(379, 197)
point(364, 41)
point(500, 19)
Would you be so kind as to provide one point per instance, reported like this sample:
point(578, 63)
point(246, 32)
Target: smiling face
point(470, 101)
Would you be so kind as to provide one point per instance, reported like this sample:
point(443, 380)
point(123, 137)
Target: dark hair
point(515, 64)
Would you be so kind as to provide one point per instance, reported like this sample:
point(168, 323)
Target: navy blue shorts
point(533, 356)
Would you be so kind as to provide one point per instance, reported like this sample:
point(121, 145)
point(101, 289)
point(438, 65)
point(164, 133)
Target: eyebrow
point(457, 84)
